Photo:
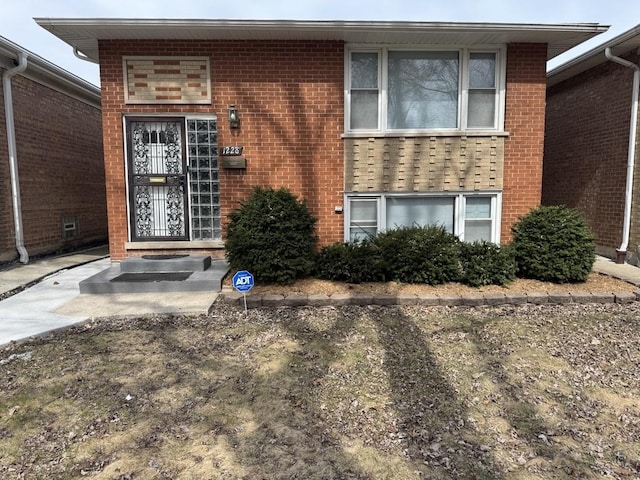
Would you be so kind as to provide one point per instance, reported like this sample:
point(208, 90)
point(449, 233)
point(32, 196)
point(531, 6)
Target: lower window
point(472, 217)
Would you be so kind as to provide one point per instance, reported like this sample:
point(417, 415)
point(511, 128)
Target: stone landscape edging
point(341, 299)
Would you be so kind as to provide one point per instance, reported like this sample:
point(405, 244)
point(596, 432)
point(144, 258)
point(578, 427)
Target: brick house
point(52, 191)
point(375, 124)
point(590, 143)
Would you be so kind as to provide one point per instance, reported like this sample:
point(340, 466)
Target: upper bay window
point(423, 90)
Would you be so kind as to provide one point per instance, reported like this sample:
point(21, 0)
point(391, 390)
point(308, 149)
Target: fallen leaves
point(530, 391)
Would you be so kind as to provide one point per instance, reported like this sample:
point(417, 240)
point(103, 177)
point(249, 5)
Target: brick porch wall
point(586, 149)
point(525, 117)
point(61, 171)
point(289, 97)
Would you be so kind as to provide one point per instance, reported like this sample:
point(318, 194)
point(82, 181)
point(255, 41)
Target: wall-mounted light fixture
point(234, 120)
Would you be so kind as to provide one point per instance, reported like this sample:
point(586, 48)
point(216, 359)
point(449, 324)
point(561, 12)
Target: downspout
point(82, 56)
point(13, 160)
point(621, 252)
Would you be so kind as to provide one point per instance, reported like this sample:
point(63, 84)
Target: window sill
point(414, 134)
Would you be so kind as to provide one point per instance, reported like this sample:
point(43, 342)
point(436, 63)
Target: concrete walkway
point(16, 277)
point(48, 295)
point(624, 271)
point(52, 300)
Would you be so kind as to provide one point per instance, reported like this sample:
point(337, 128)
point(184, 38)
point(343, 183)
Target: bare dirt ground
point(511, 392)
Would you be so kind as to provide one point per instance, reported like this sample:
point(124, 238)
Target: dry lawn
point(529, 392)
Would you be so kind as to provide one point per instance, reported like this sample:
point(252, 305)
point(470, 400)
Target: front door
point(157, 179)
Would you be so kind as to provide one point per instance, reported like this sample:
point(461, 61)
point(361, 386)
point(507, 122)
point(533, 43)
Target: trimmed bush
point(485, 263)
point(553, 244)
point(272, 236)
point(419, 255)
point(353, 262)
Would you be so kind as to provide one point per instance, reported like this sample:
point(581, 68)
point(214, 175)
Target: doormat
point(153, 277)
point(163, 257)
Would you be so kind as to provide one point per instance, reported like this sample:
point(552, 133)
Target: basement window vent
point(69, 227)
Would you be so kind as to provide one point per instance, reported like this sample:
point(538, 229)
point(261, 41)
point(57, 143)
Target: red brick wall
point(290, 100)
point(586, 148)
point(7, 242)
point(289, 96)
point(524, 120)
point(61, 171)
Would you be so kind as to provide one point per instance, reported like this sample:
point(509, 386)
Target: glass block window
point(204, 179)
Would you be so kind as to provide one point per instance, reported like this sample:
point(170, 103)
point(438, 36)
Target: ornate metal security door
point(157, 179)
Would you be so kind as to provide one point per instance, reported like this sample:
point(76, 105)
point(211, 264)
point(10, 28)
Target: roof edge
point(84, 34)
point(194, 22)
point(572, 68)
point(65, 81)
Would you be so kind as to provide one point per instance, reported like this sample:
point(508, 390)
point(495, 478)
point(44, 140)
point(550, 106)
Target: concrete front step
point(166, 263)
point(115, 280)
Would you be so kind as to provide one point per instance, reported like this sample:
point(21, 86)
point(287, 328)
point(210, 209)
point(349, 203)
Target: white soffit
point(619, 45)
point(84, 34)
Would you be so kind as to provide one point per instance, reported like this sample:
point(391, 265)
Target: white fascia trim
point(594, 56)
point(46, 73)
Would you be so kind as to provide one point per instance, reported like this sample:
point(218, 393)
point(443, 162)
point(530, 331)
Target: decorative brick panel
point(179, 80)
point(424, 164)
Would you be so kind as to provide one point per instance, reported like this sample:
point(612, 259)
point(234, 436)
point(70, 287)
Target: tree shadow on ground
point(289, 434)
point(433, 419)
point(240, 399)
point(289, 438)
point(522, 404)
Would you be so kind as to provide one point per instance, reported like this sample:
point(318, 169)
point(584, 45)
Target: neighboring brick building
point(55, 119)
point(375, 124)
point(589, 105)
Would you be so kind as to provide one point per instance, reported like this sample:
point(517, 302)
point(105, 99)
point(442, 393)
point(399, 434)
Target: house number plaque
point(231, 157)
point(232, 150)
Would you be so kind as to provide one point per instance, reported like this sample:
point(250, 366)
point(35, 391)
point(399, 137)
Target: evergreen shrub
point(352, 262)
point(553, 243)
point(485, 263)
point(419, 254)
point(272, 235)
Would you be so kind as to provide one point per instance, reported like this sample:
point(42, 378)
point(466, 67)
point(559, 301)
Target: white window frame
point(381, 104)
point(463, 88)
point(371, 198)
point(459, 209)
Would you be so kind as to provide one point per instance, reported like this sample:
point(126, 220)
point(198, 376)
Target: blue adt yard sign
point(243, 281)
